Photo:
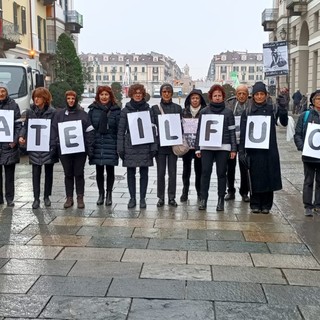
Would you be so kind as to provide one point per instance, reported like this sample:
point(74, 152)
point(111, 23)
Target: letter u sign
point(258, 132)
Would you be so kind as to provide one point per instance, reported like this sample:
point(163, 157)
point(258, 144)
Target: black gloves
point(282, 101)
point(154, 153)
point(121, 155)
point(244, 159)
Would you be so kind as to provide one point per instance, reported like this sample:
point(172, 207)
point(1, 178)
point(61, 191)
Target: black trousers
point(162, 161)
point(221, 158)
point(186, 173)
point(9, 171)
point(36, 180)
point(131, 179)
point(100, 178)
point(311, 174)
point(231, 173)
point(73, 166)
point(261, 200)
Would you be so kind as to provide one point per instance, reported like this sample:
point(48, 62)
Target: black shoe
point(160, 203)
point(265, 211)
point(132, 203)
point(143, 204)
point(47, 201)
point(255, 210)
point(36, 204)
point(245, 198)
point(10, 203)
point(100, 199)
point(184, 197)
point(220, 204)
point(202, 205)
point(108, 199)
point(1, 199)
point(229, 196)
point(172, 203)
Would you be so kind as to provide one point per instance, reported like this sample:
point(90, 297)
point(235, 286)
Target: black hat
point(167, 86)
point(313, 95)
point(259, 87)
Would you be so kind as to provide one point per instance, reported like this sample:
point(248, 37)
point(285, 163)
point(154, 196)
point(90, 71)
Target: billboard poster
point(275, 58)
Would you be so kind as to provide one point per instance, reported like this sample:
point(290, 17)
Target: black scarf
point(137, 104)
point(103, 123)
point(166, 102)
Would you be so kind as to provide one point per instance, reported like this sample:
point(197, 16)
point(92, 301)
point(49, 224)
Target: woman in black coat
point(135, 156)
point(104, 114)
point(264, 164)
point(40, 109)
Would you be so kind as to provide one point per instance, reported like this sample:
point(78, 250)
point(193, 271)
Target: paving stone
point(200, 215)
point(310, 312)
point(176, 272)
point(60, 240)
point(87, 308)
point(215, 235)
point(302, 277)
point(255, 311)
point(121, 232)
point(102, 269)
point(123, 213)
point(271, 237)
point(71, 286)
point(121, 222)
point(177, 244)
point(289, 248)
point(35, 229)
point(105, 242)
point(171, 310)
point(147, 288)
point(37, 267)
point(248, 274)
point(77, 221)
point(3, 262)
point(29, 252)
point(265, 218)
point(225, 291)
point(16, 305)
point(162, 233)
point(16, 283)
point(219, 258)
point(237, 246)
point(74, 253)
point(14, 239)
point(154, 256)
point(180, 224)
point(292, 295)
point(284, 261)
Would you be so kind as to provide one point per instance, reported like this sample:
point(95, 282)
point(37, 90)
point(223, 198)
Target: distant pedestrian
point(136, 155)
point(40, 109)
point(297, 96)
point(104, 114)
point(194, 103)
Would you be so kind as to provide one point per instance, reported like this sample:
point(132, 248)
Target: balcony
point(74, 21)
point(9, 35)
point(48, 2)
point(269, 19)
point(296, 7)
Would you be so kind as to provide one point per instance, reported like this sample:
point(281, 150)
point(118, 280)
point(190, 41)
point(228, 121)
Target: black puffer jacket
point(168, 108)
point(105, 144)
point(137, 155)
point(10, 155)
point(38, 157)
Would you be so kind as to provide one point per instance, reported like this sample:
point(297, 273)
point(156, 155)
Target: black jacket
point(38, 157)
point(134, 155)
point(105, 144)
point(10, 155)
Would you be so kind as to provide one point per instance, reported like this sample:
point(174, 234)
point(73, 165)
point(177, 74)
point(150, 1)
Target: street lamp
point(283, 36)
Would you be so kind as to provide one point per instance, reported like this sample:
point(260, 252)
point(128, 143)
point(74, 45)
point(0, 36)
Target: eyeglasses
point(138, 92)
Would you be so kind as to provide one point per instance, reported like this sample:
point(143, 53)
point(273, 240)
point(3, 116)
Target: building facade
point(297, 22)
point(151, 70)
point(236, 67)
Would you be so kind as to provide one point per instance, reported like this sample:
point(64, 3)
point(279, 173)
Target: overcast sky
point(190, 32)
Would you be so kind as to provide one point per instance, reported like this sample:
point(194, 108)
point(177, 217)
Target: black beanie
point(259, 87)
point(166, 86)
point(313, 95)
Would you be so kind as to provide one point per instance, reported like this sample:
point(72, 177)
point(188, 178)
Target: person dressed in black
point(264, 164)
point(104, 114)
point(73, 163)
point(9, 151)
point(219, 155)
point(40, 109)
point(165, 157)
point(193, 104)
point(297, 97)
point(137, 155)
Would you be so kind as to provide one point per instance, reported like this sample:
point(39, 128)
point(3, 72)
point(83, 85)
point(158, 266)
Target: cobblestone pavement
point(159, 263)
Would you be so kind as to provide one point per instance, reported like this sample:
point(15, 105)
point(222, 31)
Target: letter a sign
point(258, 132)
point(6, 125)
point(311, 147)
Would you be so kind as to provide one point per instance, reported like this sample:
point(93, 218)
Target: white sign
point(140, 127)
point(38, 135)
point(258, 132)
point(6, 125)
point(211, 128)
point(275, 58)
point(237, 123)
point(190, 125)
point(71, 137)
point(170, 130)
point(311, 146)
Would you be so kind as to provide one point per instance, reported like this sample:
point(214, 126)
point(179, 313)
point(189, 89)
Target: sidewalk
point(105, 263)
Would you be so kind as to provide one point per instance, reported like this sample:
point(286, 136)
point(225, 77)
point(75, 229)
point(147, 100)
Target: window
point(135, 69)
point(244, 68)
point(143, 69)
point(120, 69)
point(243, 77)
point(223, 58)
point(105, 78)
point(223, 69)
point(155, 78)
point(105, 69)
point(235, 68)
point(155, 59)
point(316, 21)
point(105, 58)
point(120, 58)
point(251, 69)
point(155, 69)
point(243, 57)
point(251, 77)
point(120, 78)
point(41, 33)
point(113, 78)
point(23, 21)
point(135, 58)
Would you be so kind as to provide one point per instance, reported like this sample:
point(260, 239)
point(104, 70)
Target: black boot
point(108, 198)
point(203, 204)
point(100, 199)
point(220, 204)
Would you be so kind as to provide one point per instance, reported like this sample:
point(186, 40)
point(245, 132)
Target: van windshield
point(16, 80)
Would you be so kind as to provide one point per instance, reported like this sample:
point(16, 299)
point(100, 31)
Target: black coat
point(137, 155)
point(38, 157)
point(264, 169)
point(105, 144)
point(10, 155)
